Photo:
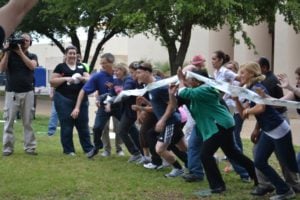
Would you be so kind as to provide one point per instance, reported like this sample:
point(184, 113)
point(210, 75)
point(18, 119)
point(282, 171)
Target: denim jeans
point(194, 153)
point(285, 153)
point(64, 107)
point(239, 145)
point(53, 120)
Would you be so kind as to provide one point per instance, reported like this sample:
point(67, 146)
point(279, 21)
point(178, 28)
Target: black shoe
point(7, 153)
point(192, 178)
point(92, 153)
point(32, 153)
point(218, 189)
point(261, 191)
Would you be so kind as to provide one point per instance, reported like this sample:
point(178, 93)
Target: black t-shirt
point(70, 91)
point(19, 77)
point(2, 36)
point(271, 83)
point(297, 99)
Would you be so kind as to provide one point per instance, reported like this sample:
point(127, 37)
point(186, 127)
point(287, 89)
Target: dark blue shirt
point(126, 84)
point(159, 99)
point(98, 82)
point(129, 84)
point(270, 118)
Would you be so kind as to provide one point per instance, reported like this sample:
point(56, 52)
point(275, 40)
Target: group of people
point(215, 119)
point(162, 113)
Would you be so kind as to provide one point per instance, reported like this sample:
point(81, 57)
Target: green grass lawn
point(52, 175)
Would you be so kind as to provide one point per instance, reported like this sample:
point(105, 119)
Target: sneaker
point(261, 191)
point(175, 172)
point(120, 153)
point(218, 189)
point(192, 177)
point(32, 153)
point(144, 160)
point(105, 154)
point(288, 195)
point(92, 153)
point(70, 154)
point(135, 158)
point(150, 165)
point(7, 153)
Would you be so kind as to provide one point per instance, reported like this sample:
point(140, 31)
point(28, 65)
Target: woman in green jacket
point(216, 124)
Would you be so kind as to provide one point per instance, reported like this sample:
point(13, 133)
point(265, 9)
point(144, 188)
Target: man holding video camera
point(19, 64)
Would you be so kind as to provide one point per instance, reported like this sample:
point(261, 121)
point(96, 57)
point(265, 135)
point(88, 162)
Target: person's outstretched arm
point(12, 13)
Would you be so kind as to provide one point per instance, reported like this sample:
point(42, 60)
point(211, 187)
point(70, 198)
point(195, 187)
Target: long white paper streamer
point(149, 87)
point(220, 85)
point(243, 92)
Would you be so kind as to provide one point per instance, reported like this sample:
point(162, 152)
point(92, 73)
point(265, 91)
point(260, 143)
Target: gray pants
point(14, 102)
point(105, 136)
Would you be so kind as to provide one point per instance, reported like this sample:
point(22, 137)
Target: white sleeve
point(230, 75)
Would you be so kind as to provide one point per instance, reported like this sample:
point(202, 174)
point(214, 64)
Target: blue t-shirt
point(270, 118)
point(159, 99)
point(98, 81)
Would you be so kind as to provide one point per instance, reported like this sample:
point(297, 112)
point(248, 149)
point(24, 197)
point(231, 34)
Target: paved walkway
point(44, 107)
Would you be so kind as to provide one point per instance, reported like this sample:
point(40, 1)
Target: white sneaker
point(175, 173)
point(71, 154)
point(105, 154)
point(121, 153)
point(152, 166)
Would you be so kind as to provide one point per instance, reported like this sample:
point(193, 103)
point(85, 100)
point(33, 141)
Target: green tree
point(55, 19)
point(172, 21)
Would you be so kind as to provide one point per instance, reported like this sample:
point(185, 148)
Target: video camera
point(13, 42)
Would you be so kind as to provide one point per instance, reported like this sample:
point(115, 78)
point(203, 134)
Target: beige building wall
point(287, 48)
point(263, 42)
point(219, 40)
point(202, 42)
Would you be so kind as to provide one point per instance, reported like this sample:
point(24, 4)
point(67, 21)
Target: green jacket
point(206, 110)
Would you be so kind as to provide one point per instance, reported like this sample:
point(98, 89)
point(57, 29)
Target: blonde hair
point(123, 67)
point(253, 68)
point(235, 65)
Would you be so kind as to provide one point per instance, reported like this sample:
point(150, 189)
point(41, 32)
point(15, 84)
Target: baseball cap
point(198, 59)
